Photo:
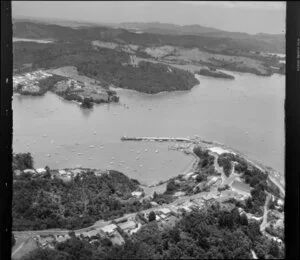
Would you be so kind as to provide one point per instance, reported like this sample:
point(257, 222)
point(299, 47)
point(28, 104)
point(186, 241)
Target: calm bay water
point(246, 113)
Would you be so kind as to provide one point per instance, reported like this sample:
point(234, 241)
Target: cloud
point(236, 4)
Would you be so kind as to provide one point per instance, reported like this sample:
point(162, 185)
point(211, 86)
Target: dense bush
point(41, 203)
point(87, 103)
point(171, 187)
point(152, 216)
point(206, 160)
point(49, 82)
point(163, 198)
point(147, 77)
point(224, 160)
point(105, 65)
point(22, 161)
point(205, 234)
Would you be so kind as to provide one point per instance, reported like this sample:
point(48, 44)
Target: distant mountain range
point(195, 29)
point(154, 33)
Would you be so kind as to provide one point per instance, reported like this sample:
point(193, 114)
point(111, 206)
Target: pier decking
point(156, 139)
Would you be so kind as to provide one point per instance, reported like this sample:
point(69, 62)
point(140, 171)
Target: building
point(30, 171)
point(116, 238)
point(62, 238)
point(165, 211)
point(188, 175)
point(186, 208)
point(40, 170)
point(212, 180)
point(219, 150)
point(127, 226)
point(179, 193)
point(241, 187)
point(62, 172)
point(45, 240)
point(64, 175)
point(109, 228)
point(76, 172)
point(280, 202)
point(91, 233)
point(137, 194)
point(153, 203)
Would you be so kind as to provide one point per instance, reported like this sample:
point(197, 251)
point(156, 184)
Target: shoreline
point(206, 143)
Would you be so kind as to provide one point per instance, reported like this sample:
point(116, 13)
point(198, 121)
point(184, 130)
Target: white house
point(137, 194)
point(30, 171)
point(62, 172)
point(109, 228)
point(40, 170)
point(166, 211)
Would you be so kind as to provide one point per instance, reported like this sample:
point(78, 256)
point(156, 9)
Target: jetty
point(194, 140)
point(156, 139)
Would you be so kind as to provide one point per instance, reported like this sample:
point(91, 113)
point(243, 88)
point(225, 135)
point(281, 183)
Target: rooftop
point(109, 228)
point(127, 225)
point(241, 186)
point(165, 211)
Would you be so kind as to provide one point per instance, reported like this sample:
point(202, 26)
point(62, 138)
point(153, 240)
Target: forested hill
point(106, 65)
point(207, 40)
point(211, 234)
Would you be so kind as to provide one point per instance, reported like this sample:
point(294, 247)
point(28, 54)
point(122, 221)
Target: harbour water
point(246, 113)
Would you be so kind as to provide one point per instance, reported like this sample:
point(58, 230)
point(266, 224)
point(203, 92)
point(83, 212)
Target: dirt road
point(264, 222)
point(17, 249)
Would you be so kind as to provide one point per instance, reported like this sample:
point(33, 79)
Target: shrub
point(152, 216)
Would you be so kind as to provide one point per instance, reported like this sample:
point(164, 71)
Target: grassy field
point(24, 244)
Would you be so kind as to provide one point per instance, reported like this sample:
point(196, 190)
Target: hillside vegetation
point(42, 202)
point(106, 65)
point(211, 234)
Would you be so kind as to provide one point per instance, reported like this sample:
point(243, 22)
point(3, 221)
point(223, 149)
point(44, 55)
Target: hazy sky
point(250, 17)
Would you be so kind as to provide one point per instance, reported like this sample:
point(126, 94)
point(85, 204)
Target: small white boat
point(146, 150)
point(156, 151)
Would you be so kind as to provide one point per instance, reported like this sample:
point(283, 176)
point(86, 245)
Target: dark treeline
point(147, 77)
